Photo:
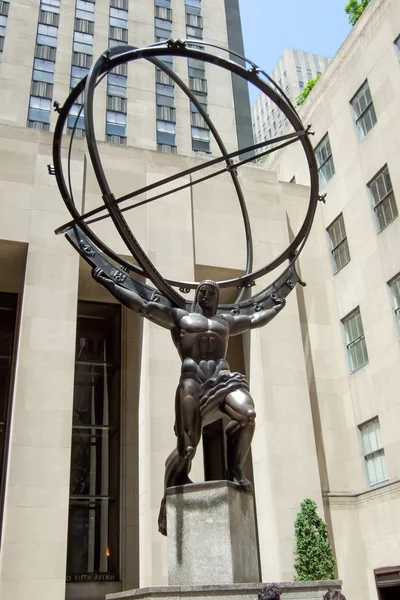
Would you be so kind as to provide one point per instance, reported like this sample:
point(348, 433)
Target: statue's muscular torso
point(202, 343)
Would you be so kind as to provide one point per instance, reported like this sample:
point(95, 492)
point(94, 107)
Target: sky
point(318, 26)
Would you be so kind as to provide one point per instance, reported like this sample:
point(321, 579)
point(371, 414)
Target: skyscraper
point(47, 47)
point(292, 71)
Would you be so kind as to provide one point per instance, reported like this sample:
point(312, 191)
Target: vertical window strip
point(117, 79)
point(4, 6)
point(165, 87)
point(82, 58)
point(197, 80)
point(93, 540)
point(40, 100)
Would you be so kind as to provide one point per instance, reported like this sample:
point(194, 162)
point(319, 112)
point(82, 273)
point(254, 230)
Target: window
point(84, 26)
point(339, 245)
point(39, 109)
point(323, 154)
point(394, 286)
point(166, 148)
point(163, 78)
point(77, 73)
point(42, 89)
point(8, 317)
point(119, 18)
point(202, 99)
point(84, 10)
point(3, 23)
point(4, 7)
point(364, 110)
point(50, 5)
point(166, 133)
point(309, 74)
point(93, 505)
point(116, 103)
point(298, 69)
point(373, 452)
point(47, 35)
point(194, 32)
point(80, 59)
point(49, 18)
point(164, 90)
point(165, 126)
point(116, 139)
point(117, 36)
point(83, 42)
point(200, 134)
point(43, 70)
point(198, 85)
point(116, 85)
point(201, 139)
point(199, 73)
point(115, 123)
point(76, 117)
point(194, 21)
point(166, 113)
point(163, 13)
point(119, 4)
point(355, 340)
point(301, 84)
point(385, 206)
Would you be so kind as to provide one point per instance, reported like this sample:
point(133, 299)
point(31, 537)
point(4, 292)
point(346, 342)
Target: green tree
point(354, 9)
point(307, 89)
point(314, 559)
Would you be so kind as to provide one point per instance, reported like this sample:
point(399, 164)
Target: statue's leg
point(188, 430)
point(239, 406)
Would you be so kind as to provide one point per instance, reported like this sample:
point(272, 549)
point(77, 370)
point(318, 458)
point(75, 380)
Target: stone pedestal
point(211, 535)
point(212, 549)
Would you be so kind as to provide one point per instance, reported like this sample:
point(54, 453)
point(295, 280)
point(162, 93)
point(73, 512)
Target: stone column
point(283, 450)
point(34, 536)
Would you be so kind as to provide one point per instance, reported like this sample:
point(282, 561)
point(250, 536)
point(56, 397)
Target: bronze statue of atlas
point(200, 330)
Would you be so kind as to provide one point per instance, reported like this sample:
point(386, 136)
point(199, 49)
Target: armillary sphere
point(95, 251)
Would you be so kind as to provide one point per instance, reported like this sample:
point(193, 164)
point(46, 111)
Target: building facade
point(292, 71)
point(87, 388)
point(351, 306)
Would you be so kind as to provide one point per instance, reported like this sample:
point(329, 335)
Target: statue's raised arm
point(241, 323)
point(158, 313)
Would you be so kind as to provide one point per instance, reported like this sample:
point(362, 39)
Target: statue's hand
point(279, 303)
point(99, 276)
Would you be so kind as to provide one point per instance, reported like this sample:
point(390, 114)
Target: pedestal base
point(313, 590)
point(211, 535)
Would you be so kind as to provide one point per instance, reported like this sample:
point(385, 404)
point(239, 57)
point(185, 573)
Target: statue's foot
point(238, 477)
point(162, 517)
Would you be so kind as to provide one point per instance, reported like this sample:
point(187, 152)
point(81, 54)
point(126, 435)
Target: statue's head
point(334, 595)
point(270, 592)
point(207, 297)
